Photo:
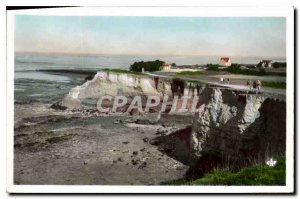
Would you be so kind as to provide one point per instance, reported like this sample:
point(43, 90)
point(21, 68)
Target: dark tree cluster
point(279, 64)
point(148, 66)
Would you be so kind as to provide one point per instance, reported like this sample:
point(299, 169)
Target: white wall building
point(166, 67)
point(225, 61)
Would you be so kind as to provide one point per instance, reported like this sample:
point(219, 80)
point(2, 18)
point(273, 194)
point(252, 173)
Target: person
point(258, 84)
point(228, 81)
point(221, 80)
point(254, 84)
point(249, 84)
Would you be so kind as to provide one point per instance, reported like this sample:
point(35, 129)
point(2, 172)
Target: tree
point(148, 66)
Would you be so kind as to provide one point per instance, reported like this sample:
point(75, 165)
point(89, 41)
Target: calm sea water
point(33, 62)
point(49, 87)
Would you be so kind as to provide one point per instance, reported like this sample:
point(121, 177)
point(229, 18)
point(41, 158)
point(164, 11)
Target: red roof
point(226, 59)
point(165, 64)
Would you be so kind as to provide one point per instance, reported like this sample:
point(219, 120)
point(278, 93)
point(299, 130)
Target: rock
point(180, 168)
point(120, 159)
point(135, 153)
point(125, 142)
point(161, 131)
point(142, 121)
point(146, 139)
point(142, 165)
point(231, 128)
point(154, 142)
point(134, 162)
point(143, 149)
point(58, 106)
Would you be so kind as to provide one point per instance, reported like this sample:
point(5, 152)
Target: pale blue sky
point(151, 35)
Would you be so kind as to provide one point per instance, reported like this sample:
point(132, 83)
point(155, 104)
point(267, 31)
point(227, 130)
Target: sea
point(34, 80)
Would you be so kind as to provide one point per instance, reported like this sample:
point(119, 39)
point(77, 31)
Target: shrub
point(281, 85)
point(212, 67)
point(279, 64)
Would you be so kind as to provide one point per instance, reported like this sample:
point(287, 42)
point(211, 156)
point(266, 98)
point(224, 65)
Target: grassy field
point(197, 82)
point(190, 73)
point(122, 71)
point(256, 175)
point(281, 85)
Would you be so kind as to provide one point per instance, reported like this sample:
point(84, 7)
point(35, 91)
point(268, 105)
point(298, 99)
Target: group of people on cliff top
point(256, 84)
point(222, 80)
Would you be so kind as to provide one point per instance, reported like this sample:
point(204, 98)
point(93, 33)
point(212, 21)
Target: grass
point(122, 71)
point(189, 73)
point(255, 175)
point(281, 85)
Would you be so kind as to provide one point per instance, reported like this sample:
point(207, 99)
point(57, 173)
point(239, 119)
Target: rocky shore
point(69, 142)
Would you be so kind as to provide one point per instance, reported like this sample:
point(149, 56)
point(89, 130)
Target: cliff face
point(232, 129)
point(235, 130)
point(113, 84)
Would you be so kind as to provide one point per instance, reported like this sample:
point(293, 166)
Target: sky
point(211, 36)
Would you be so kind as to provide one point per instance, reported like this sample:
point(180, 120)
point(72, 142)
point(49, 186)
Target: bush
point(148, 66)
point(213, 67)
point(279, 64)
point(281, 85)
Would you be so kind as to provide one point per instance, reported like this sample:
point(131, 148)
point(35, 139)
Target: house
point(166, 67)
point(265, 64)
point(225, 61)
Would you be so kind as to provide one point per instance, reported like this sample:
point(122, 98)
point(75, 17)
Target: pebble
point(120, 159)
point(134, 162)
point(144, 164)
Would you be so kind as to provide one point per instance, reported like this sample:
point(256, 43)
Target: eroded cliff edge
point(233, 128)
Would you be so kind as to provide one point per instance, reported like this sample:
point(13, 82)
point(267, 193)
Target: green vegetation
point(177, 79)
point(189, 73)
point(236, 69)
point(213, 67)
point(122, 71)
point(279, 64)
point(281, 85)
point(148, 66)
point(256, 175)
